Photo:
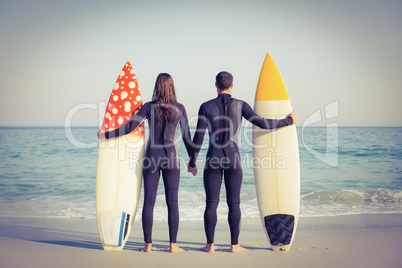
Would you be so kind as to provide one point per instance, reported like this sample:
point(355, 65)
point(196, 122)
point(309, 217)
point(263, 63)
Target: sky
point(59, 60)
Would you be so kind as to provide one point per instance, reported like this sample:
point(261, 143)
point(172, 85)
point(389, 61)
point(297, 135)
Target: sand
point(339, 241)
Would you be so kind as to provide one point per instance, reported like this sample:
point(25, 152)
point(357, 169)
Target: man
point(223, 116)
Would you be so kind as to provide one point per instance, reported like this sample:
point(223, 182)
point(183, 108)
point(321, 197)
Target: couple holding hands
point(222, 116)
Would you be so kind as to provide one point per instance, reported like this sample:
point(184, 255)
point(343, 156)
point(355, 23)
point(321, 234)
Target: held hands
point(294, 116)
point(192, 170)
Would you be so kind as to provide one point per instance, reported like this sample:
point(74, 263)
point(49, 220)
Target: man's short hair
point(224, 80)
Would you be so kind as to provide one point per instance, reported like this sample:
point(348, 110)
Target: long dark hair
point(165, 97)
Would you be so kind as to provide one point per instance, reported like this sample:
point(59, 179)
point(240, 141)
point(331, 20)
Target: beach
point(48, 216)
point(336, 241)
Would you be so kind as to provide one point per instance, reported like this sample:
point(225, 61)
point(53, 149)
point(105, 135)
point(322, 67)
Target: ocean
point(50, 172)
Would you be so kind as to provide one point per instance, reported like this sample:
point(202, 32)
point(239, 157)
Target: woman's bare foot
point(236, 248)
point(174, 248)
point(208, 248)
point(148, 247)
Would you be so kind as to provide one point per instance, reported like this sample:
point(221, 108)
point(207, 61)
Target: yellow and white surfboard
point(276, 161)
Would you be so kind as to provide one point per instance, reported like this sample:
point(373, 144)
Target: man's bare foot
point(174, 248)
point(236, 248)
point(148, 247)
point(208, 248)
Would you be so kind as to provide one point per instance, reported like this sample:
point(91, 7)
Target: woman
point(164, 115)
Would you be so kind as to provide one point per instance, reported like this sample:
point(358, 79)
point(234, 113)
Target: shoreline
point(336, 241)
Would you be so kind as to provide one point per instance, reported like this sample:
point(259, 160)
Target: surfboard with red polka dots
point(118, 170)
point(125, 100)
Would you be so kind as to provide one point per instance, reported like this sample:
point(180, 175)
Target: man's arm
point(264, 123)
point(198, 136)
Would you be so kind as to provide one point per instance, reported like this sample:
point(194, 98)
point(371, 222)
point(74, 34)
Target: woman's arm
point(185, 130)
point(130, 126)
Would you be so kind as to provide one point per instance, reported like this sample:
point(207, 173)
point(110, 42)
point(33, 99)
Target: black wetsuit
point(223, 116)
point(161, 156)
